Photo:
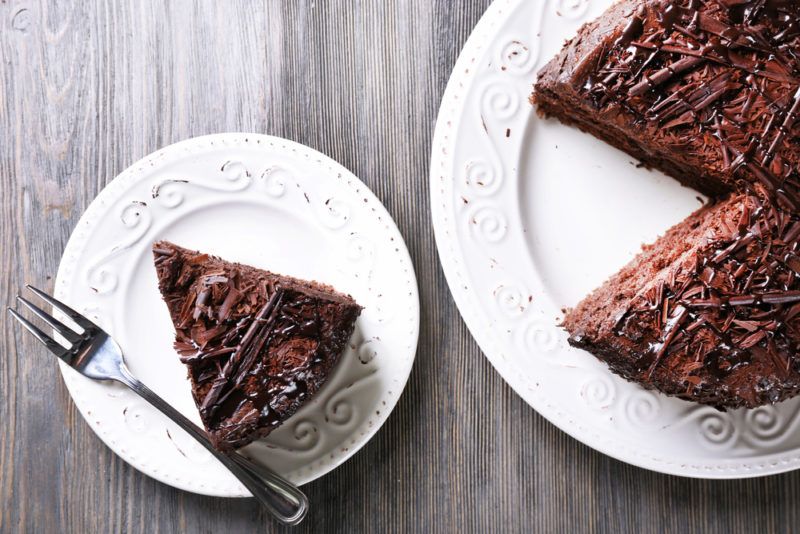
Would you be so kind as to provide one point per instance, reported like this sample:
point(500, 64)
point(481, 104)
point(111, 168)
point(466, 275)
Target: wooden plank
point(87, 88)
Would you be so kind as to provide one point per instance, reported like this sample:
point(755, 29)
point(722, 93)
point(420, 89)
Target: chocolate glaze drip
point(257, 345)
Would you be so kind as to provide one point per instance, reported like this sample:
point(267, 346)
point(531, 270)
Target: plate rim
point(127, 177)
point(441, 169)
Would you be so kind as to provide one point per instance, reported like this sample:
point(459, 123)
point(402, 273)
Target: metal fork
point(94, 354)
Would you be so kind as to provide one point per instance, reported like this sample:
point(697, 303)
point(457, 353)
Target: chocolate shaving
point(260, 326)
point(200, 356)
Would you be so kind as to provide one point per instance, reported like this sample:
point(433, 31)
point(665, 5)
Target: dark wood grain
point(86, 88)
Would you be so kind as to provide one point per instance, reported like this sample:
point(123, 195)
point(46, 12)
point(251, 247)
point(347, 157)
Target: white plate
point(266, 202)
point(530, 216)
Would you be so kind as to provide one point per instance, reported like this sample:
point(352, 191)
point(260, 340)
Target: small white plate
point(269, 203)
point(530, 215)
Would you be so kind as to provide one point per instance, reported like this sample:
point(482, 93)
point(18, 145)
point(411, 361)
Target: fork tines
point(72, 337)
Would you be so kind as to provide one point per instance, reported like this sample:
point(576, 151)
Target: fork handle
point(282, 498)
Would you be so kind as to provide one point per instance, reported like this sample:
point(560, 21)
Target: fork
point(94, 354)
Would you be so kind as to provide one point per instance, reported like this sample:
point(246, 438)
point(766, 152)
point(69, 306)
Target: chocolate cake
point(709, 92)
point(257, 345)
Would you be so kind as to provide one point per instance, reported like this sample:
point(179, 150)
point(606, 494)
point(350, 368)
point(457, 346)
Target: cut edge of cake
point(555, 95)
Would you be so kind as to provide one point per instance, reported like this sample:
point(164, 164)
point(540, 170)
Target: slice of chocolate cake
point(705, 90)
point(257, 345)
point(709, 92)
point(710, 312)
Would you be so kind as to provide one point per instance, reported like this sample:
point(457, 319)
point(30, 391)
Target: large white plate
point(531, 215)
point(266, 202)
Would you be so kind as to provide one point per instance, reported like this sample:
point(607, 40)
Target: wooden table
point(90, 87)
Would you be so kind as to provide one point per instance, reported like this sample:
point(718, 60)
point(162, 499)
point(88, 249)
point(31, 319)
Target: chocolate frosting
point(719, 79)
point(257, 345)
point(728, 317)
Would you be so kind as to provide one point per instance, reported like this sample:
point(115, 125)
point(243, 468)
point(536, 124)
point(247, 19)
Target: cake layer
point(257, 345)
